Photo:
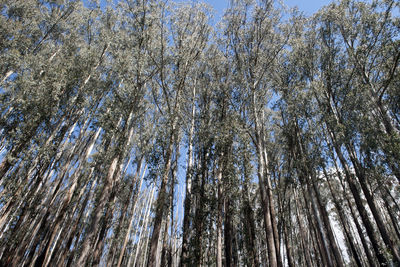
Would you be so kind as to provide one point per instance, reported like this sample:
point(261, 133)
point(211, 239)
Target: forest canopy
point(142, 133)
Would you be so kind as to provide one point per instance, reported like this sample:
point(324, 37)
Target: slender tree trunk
point(98, 214)
point(325, 249)
point(360, 232)
point(392, 217)
point(220, 199)
point(359, 203)
point(249, 223)
point(264, 184)
point(171, 204)
point(342, 218)
point(199, 214)
point(144, 229)
point(360, 173)
point(266, 209)
point(159, 212)
point(164, 249)
point(271, 201)
point(357, 224)
point(287, 224)
point(128, 232)
point(188, 196)
point(302, 230)
point(326, 221)
point(228, 235)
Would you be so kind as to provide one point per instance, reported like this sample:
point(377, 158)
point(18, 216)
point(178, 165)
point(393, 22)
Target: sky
point(307, 6)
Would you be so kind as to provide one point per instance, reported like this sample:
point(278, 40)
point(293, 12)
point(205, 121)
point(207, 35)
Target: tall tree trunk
point(324, 214)
point(128, 232)
point(249, 222)
point(200, 213)
point(76, 226)
point(220, 201)
point(360, 173)
point(360, 232)
point(164, 248)
point(302, 230)
point(271, 200)
point(188, 196)
point(98, 213)
point(160, 203)
point(359, 203)
point(392, 216)
point(324, 244)
point(357, 224)
point(287, 242)
point(144, 229)
point(228, 228)
point(133, 195)
point(342, 219)
point(264, 184)
point(266, 208)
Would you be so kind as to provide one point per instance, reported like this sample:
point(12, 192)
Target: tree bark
point(342, 219)
point(358, 201)
point(188, 196)
point(159, 212)
point(249, 222)
point(220, 200)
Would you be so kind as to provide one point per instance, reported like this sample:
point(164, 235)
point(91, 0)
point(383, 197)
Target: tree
point(140, 133)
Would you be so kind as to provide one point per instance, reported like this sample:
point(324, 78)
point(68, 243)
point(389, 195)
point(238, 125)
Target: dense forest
point(147, 133)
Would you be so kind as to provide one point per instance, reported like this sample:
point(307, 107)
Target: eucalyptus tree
point(183, 36)
point(189, 176)
point(248, 206)
point(32, 41)
point(301, 155)
point(47, 103)
point(345, 108)
point(224, 121)
point(133, 70)
point(370, 37)
point(88, 44)
point(195, 113)
point(257, 37)
point(203, 141)
point(92, 96)
point(328, 77)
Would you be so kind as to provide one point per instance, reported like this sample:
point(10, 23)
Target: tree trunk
point(228, 235)
point(188, 196)
point(271, 202)
point(249, 223)
point(98, 214)
point(328, 228)
point(302, 230)
point(266, 209)
point(360, 173)
point(160, 203)
point(199, 214)
point(359, 203)
point(133, 195)
point(342, 219)
point(220, 199)
point(287, 225)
